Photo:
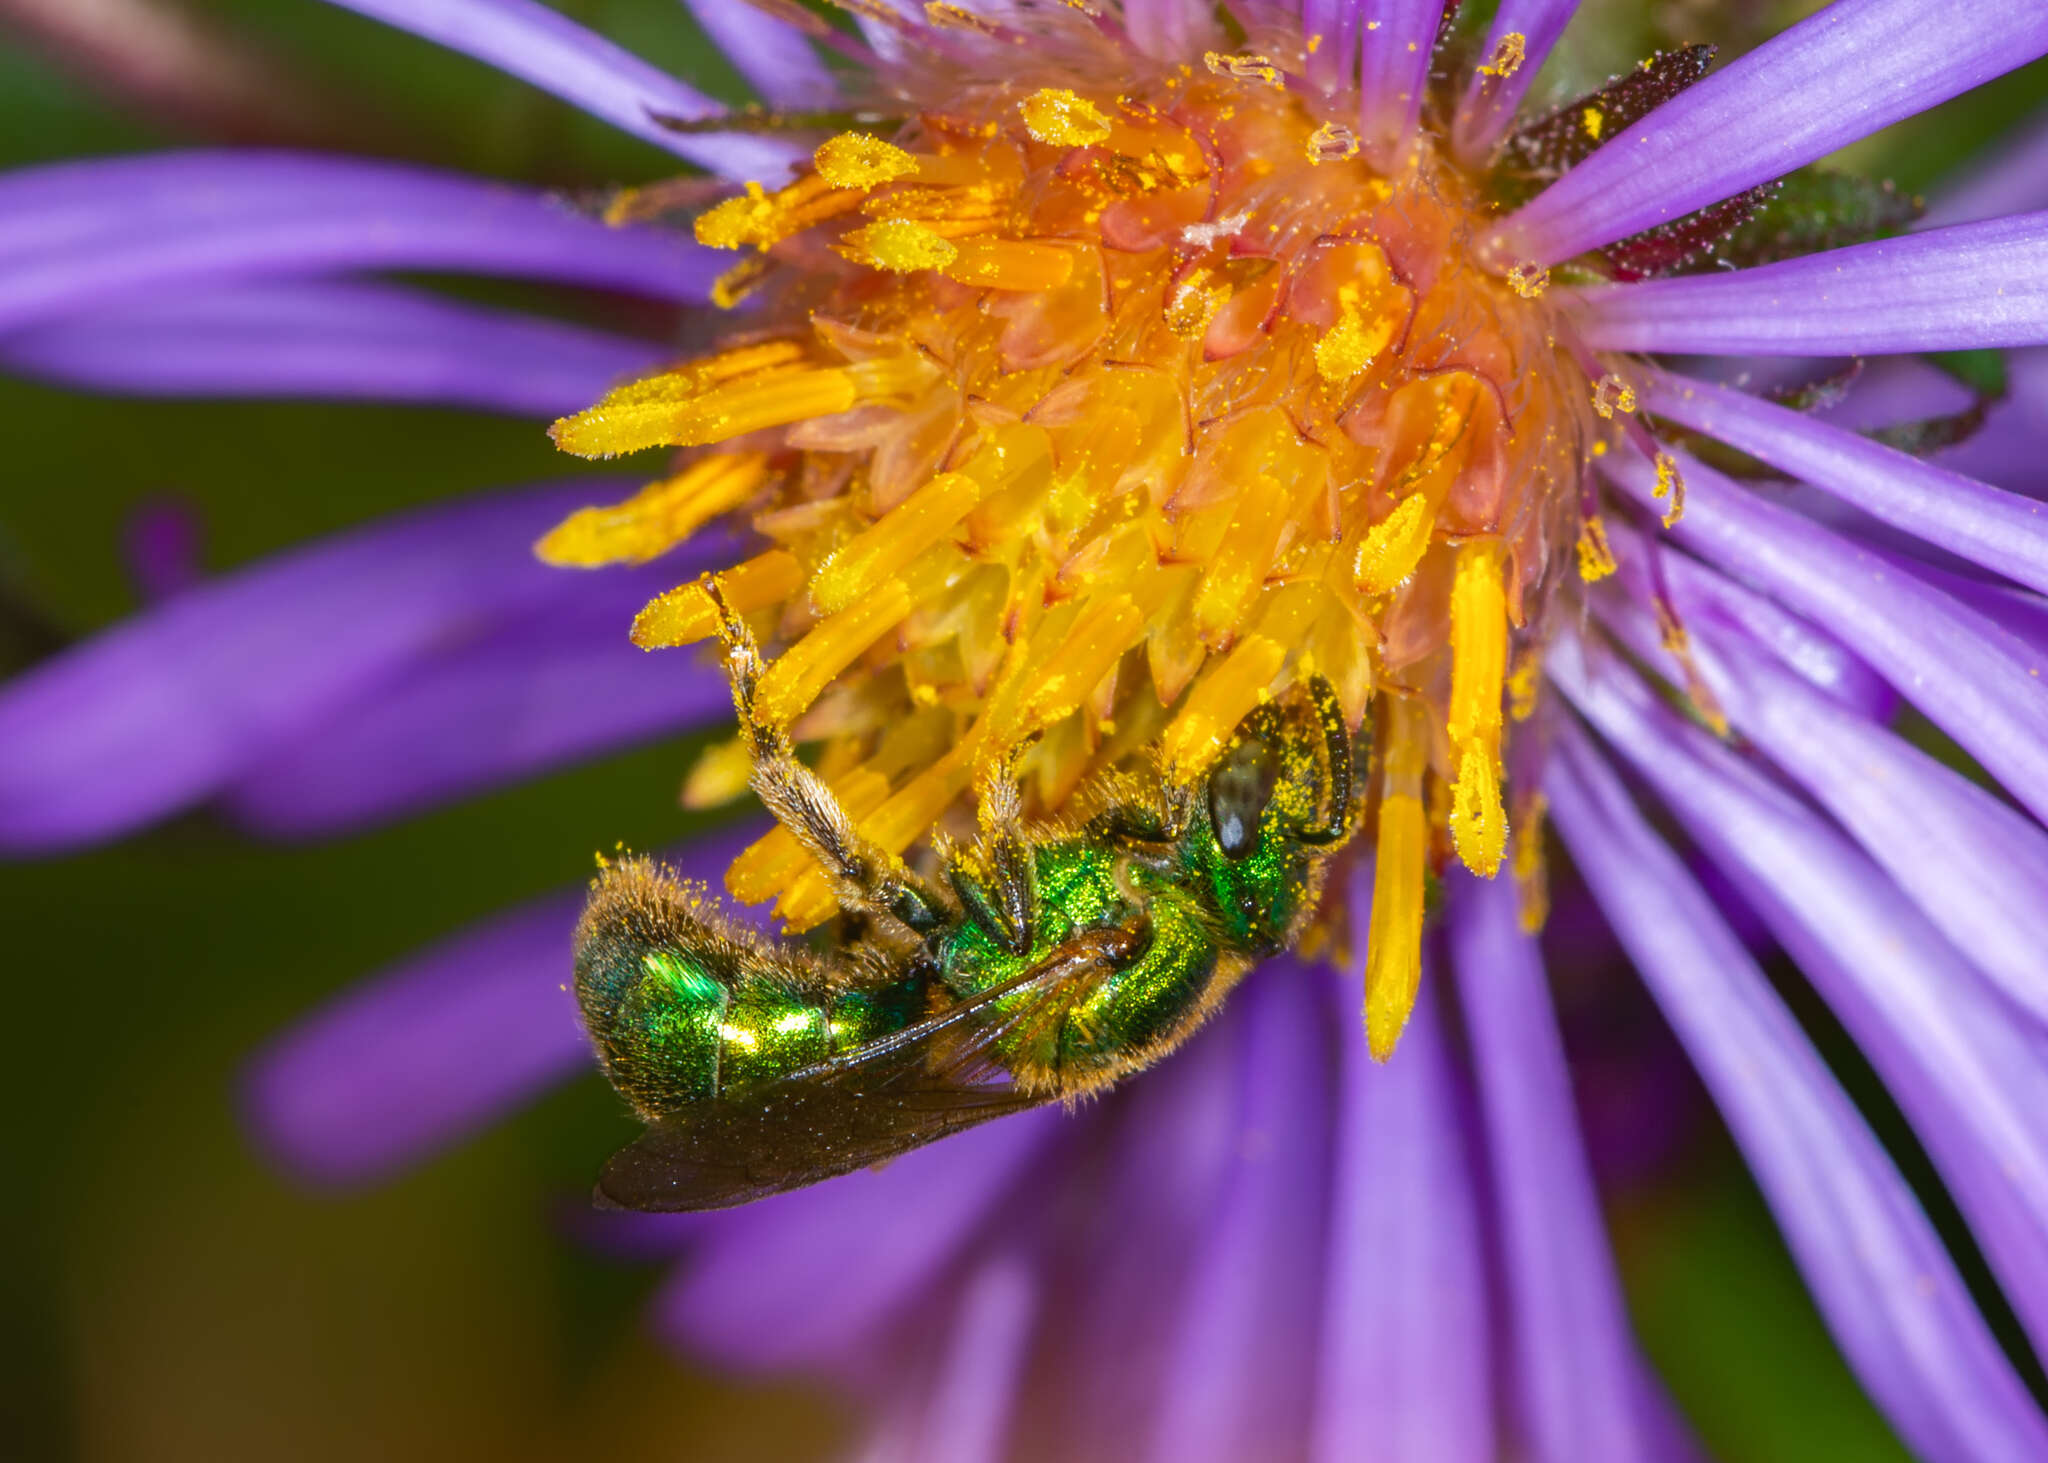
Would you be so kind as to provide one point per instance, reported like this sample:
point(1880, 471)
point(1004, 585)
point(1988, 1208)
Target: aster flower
point(1117, 369)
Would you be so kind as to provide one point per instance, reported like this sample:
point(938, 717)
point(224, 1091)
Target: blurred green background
point(164, 1295)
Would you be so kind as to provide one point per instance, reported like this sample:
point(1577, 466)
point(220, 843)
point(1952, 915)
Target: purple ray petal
point(810, 1280)
point(1394, 48)
point(1972, 1081)
point(966, 1419)
point(1490, 103)
point(2013, 179)
point(1237, 1380)
point(1857, 66)
point(1699, 591)
point(772, 54)
point(2009, 449)
point(1170, 1156)
point(2002, 531)
point(1168, 30)
point(437, 1048)
point(1978, 867)
point(544, 691)
point(165, 710)
point(529, 40)
point(74, 236)
point(1406, 1359)
point(1578, 1381)
point(1981, 284)
point(334, 340)
point(1885, 1286)
point(1972, 679)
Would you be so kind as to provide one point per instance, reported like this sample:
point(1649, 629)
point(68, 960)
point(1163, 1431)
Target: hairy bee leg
point(997, 882)
point(863, 875)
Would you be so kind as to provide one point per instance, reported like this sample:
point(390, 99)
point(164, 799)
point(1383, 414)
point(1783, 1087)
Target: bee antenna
point(1337, 747)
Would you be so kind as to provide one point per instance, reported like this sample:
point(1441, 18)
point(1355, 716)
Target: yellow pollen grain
point(1394, 546)
point(955, 17)
point(899, 245)
point(1528, 281)
point(1059, 118)
point(1596, 556)
point(1393, 952)
point(856, 160)
point(1332, 143)
point(1610, 395)
point(1507, 56)
point(1593, 119)
point(747, 219)
point(1523, 679)
point(1479, 655)
point(1670, 484)
point(655, 519)
point(1315, 43)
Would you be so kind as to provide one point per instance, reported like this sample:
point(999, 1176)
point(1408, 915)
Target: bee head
point(1275, 803)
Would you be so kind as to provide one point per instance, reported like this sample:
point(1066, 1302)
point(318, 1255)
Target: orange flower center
point(1098, 418)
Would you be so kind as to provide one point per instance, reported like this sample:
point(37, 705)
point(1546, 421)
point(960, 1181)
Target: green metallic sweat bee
point(1053, 960)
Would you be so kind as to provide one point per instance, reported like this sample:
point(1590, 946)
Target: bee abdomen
point(683, 1010)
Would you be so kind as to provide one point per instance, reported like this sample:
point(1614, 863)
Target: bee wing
point(930, 1080)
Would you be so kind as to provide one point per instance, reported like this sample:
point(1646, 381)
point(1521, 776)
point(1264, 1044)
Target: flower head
point(1114, 371)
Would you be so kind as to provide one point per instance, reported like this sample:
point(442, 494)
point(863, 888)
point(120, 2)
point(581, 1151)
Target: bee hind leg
point(863, 875)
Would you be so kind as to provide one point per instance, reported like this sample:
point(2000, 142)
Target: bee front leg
point(864, 875)
point(996, 881)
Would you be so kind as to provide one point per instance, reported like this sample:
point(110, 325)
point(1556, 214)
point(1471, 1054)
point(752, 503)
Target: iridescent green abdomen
point(682, 1013)
point(1129, 1009)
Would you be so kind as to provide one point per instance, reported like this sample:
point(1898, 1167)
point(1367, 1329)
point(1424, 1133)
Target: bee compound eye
point(1240, 788)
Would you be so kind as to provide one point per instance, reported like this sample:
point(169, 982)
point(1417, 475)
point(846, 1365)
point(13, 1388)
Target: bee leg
point(863, 875)
point(996, 882)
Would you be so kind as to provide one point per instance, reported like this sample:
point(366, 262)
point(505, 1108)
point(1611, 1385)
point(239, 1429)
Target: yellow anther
point(1593, 119)
point(1249, 67)
point(883, 548)
point(1507, 56)
point(1393, 952)
point(1528, 281)
point(719, 775)
point(737, 222)
point(1219, 701)
point(1059, 118)
point(738, 282)
point(1671, 484)
point(1596, 556)
point(681, 410)
point(1332, 143)
point(1479, 657)
point(655, 519)
point(1524, 676)
point(899, 245)
point(1532, 876)
point(856, 160)
point(686, 614)
point(1350, 345)
point(1611, 394)
point(1394, 546)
